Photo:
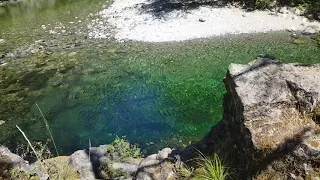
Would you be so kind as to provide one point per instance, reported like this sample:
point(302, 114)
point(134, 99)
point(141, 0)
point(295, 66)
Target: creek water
point(156, 94)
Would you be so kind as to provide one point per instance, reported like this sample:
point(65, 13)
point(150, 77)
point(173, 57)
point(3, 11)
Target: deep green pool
point(155, 94)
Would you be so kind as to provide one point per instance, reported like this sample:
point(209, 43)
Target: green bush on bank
point(311, 6)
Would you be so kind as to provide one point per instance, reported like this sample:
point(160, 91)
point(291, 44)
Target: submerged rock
point(309, 31)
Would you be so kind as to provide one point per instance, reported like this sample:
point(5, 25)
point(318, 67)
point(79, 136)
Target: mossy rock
point(107, 172)
point(59, 168)
point(298, 41)
point(22, 175)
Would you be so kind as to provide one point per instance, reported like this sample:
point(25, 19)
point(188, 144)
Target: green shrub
point(122, 150)
point(263, 4)
point(119, 150)
point(311, 6)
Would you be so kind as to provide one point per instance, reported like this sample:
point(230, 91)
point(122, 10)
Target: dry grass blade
point(26, 138)
point(48, 129)
point(89, 149)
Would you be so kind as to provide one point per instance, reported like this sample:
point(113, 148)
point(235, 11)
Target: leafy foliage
point(311, 6)
point(119, 150)
point(123, 150)
point(264, 3)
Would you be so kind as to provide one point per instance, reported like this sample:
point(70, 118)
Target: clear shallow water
point(156, 95)
point(21, 23)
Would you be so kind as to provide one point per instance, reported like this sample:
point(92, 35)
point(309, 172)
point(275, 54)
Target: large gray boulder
point(157, 166)
point(81, 163)
point(269, 125)
point(9, 160)
point(270, 113)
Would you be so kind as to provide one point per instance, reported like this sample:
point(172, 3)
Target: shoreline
point(133, 21)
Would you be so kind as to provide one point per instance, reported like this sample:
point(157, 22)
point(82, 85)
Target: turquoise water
point(157, 95)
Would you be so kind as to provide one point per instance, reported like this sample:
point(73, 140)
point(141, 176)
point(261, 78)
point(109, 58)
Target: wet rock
point(309, 31)
point(2, 41)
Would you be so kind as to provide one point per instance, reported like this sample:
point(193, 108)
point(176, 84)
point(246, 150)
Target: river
point(155, 94)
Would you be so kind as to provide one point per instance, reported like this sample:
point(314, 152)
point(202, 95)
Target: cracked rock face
point(275, 99)
point(271, 114)
point(270, 126)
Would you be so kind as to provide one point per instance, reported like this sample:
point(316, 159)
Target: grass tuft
point(212, 168)
point(207, 169)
